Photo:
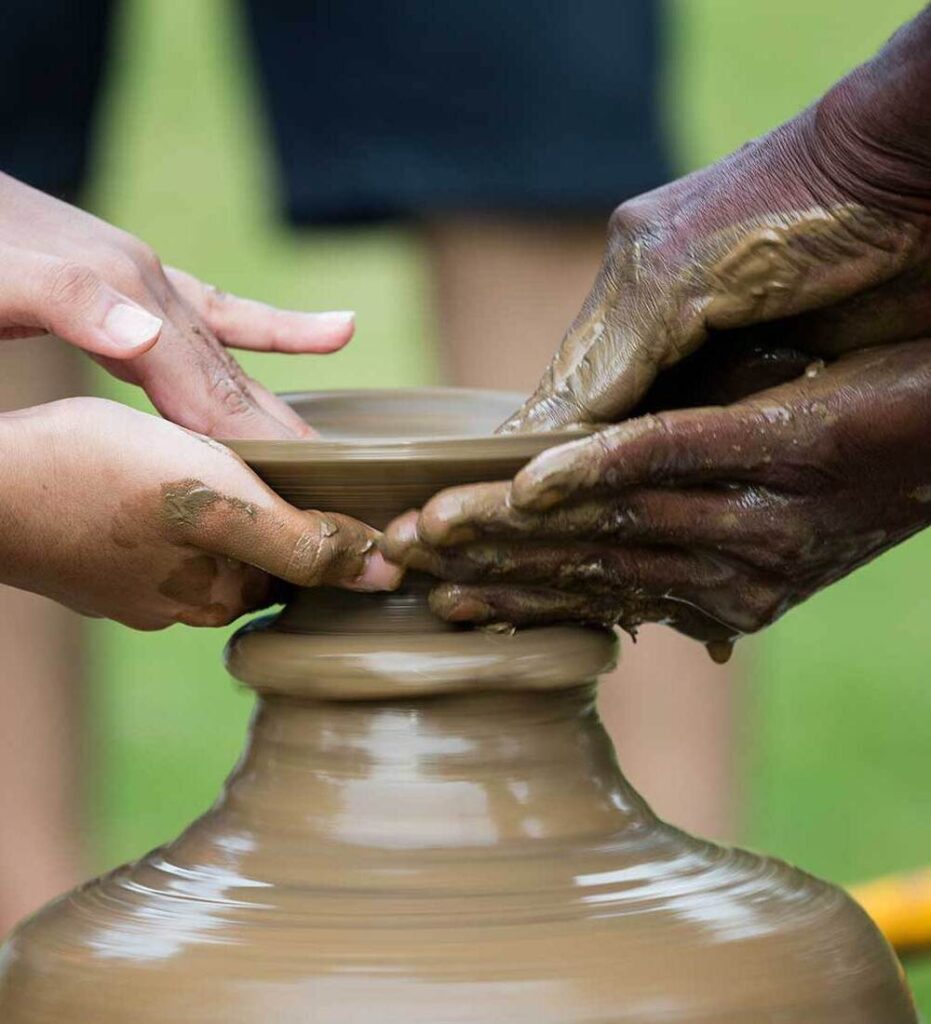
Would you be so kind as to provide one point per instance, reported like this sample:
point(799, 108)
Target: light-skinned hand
point(117, 513)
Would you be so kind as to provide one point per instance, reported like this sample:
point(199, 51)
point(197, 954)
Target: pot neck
point(474, 770)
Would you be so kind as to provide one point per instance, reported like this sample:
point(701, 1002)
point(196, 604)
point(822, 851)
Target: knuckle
point(144, 258)
point(611, 569)
point(634, 220)
point(216, 302)
point(789, 542)
point(72, 284)
point(304, 557)
point(762, 603)
point(220, 615)
point(654, 439)
point(145, 622)
point(119, 269)
point(624, 220)
point(134, 267)
point(209, 616)
point(315, 552)
point(231, 397)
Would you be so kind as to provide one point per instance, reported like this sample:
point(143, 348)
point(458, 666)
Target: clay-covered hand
point(68, 273)
point(714, 520)
point(821, 230)
point(116, 513)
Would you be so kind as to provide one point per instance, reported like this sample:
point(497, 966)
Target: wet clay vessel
point(428, 825)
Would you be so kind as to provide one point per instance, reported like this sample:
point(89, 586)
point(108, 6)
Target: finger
point(741, 596)
point(307, 549)
point(44, 293)
point(215, 591)
point(628, 330)
point(400, 536)
point(458, 515)
point(463, 515)
point(741, 520)
point(593, 568)
point(280, 409)
point(558, 400)
point(539, 606)
point(247, 324)
point(194, 382)
point(898, 310)
point(518, 606)
point(684, 446)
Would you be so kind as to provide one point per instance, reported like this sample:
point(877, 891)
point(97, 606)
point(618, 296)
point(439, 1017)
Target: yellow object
point(901, 907)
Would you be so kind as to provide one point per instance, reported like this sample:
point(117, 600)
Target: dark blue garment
point(51, 58)
point(387, 108)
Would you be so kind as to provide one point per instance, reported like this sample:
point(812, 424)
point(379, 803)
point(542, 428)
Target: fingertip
point(400, 536)
point(321, 333)
point(378, 574)
point(340, 323)
point(553, 476)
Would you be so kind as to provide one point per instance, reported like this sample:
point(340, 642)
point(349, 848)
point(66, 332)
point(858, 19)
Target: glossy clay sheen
point(428, 825)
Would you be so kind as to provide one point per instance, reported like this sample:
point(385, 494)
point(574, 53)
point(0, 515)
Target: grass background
point(836, 771)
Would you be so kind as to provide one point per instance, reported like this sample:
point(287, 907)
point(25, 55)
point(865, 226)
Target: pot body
point(438, 833)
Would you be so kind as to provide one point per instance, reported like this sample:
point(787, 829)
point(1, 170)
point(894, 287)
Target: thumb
point(309, 548)
point(71, 300)
point(597, 372)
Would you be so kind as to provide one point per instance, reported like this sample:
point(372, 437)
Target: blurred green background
point(836, 755)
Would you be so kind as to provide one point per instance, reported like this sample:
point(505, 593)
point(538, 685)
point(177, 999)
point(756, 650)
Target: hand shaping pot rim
point(383, 451)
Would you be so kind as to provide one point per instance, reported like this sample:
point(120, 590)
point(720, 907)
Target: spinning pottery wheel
point(428, 825)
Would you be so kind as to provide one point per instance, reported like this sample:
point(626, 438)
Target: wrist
point(29, 496)
point(15, 445)
point(871, 133)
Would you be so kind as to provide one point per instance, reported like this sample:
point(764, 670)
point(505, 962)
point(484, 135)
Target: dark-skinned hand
point(820, 230)
point(714, 520)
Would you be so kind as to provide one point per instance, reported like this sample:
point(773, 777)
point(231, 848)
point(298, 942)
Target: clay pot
point(428, 825)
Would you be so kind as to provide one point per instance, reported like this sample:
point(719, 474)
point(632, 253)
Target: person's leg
point(506, 288)
point(40, 691)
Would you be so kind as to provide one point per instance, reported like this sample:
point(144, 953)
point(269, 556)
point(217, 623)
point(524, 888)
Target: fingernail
point(336, 317)
point(452, 604)
point(470, 609)
point(442, 521)
point(378, 574)
point(130, 326)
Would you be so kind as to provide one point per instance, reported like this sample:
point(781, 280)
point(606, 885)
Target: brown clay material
point(381, 452)
point(428, 826)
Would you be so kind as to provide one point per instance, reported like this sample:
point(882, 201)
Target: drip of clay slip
point(428, 825)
